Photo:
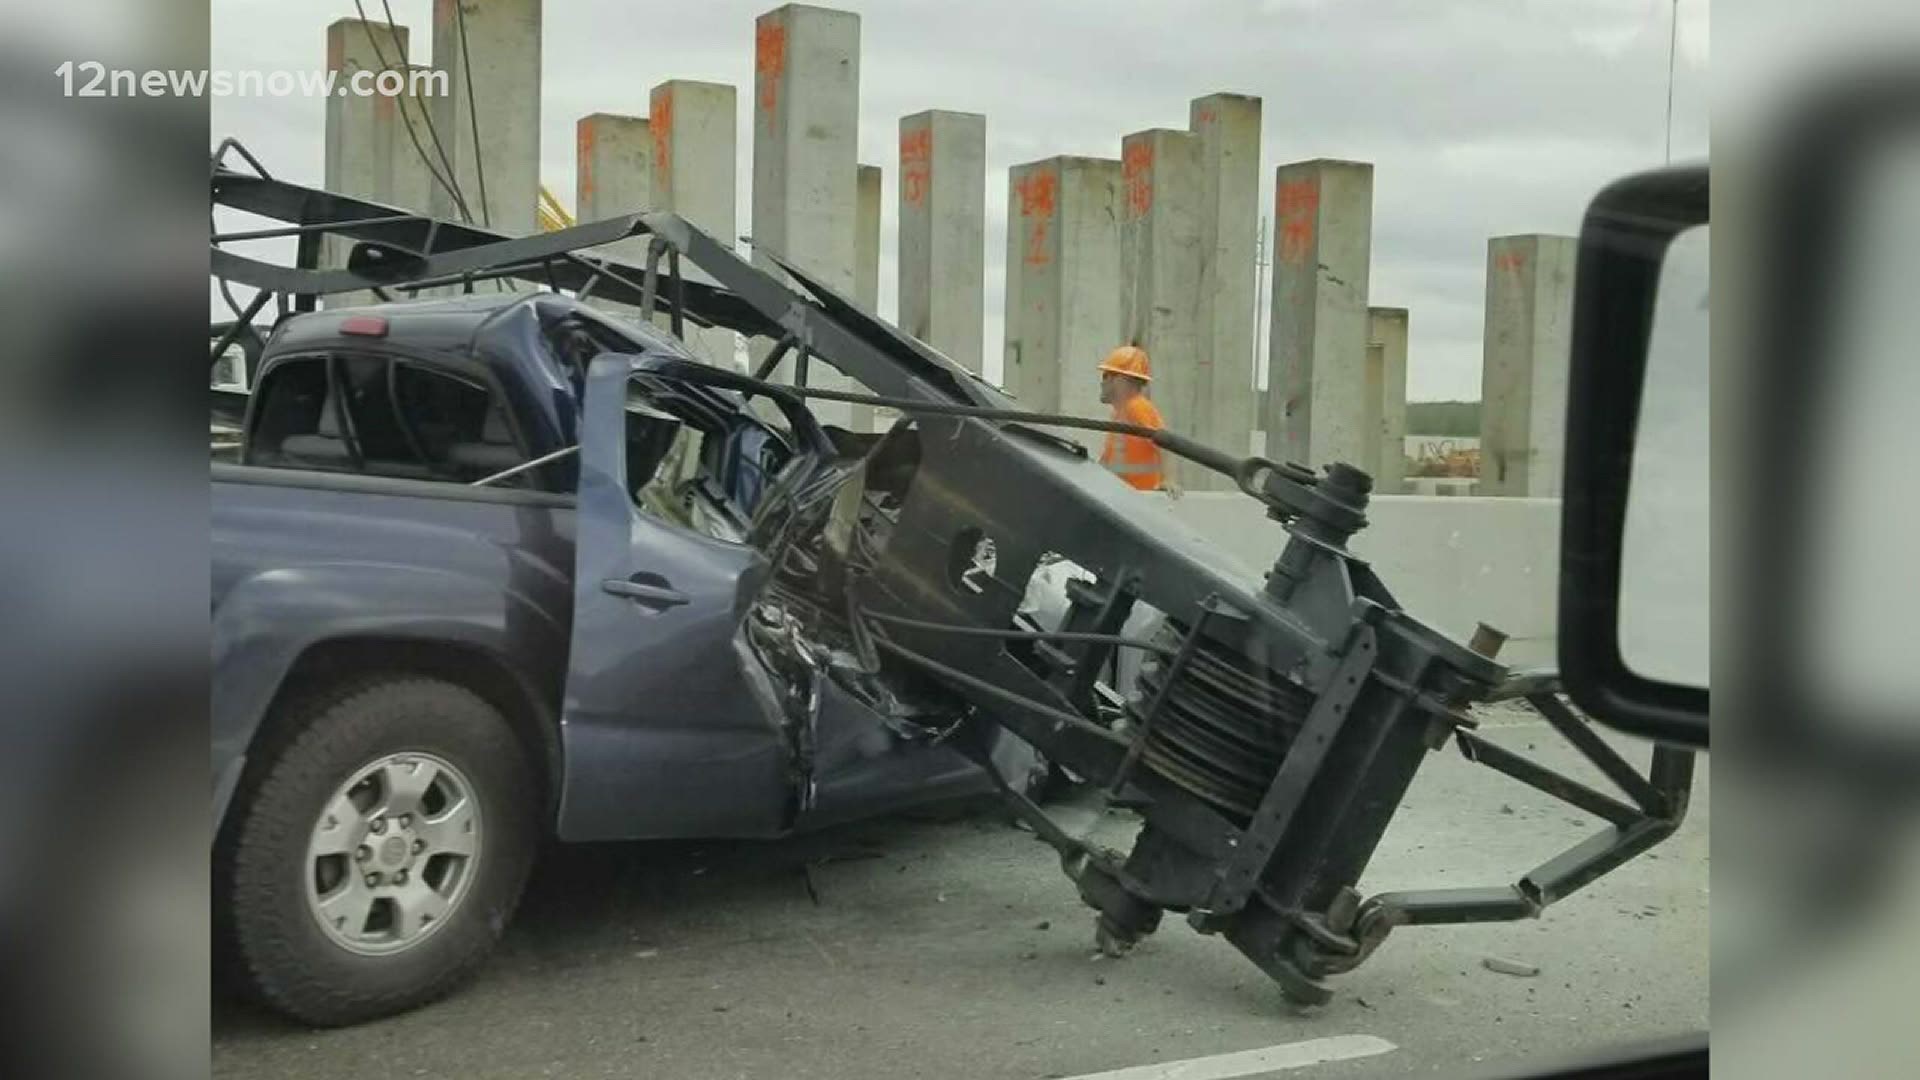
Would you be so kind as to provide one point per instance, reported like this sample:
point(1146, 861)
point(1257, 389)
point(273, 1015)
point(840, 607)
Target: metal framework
point(399, 254)
point(1277, 728)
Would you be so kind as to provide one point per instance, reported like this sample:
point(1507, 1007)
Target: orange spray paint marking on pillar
point(916, 164)
point(660, 126)
point(336, 52)
point(1296, 205)
point(583, 160)
point(769, 63)
point(1511, 262)
point(1136, 171)
point(1037, 195)
point(1036, 253)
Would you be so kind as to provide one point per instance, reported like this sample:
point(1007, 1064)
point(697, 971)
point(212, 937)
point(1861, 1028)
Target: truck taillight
point(364, 326)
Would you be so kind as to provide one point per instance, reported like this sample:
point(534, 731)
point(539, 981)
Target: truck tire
point(373, 865)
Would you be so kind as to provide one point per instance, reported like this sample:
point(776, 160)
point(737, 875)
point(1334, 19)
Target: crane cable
point(1673, 49)
point(473, 110)
point(433, 131)
point(446, 180)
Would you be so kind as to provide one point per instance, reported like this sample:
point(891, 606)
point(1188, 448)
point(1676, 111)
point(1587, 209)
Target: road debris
point(1505, 966)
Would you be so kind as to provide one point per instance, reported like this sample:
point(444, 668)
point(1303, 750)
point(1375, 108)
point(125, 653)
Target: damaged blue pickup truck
point(395, 611)
point(513, 563)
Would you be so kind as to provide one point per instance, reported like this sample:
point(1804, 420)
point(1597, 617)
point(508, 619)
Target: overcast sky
point(1481, 117)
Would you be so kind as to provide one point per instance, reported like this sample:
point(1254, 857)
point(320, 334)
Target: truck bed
point(301, 557)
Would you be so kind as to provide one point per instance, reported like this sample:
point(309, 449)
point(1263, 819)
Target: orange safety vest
point(1132, 458)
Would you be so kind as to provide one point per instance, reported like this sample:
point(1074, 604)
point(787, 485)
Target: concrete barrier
point(1454, 561)
point(1441, 485)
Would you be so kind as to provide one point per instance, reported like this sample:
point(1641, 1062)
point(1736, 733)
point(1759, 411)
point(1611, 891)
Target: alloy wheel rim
point(392, 853)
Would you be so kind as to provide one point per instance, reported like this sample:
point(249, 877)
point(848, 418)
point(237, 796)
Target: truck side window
point(295, 424)
point(386, 449)
point(462, 428)
point(381, 417)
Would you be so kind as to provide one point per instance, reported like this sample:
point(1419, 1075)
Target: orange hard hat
point(1129, 360)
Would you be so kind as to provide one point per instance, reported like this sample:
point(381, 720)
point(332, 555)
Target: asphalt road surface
point(948, 944)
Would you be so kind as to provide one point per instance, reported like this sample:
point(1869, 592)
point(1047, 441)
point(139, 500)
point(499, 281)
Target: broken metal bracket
point(1093, 611)
point(1099, 874)
point(1047, 829)
point(1659, 800)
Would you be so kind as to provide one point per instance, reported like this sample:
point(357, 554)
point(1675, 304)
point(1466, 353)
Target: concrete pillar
point(1160, 260)
point(695, 163)
point(806, 111)
point(695, 153)
point(410, 183)
point(1063, 284)
point(359, 144)
point(866, 268)
point(1387, 397)
point(866, 237)
point(497, 42)
point(1374, 405)
point(943, 214)
point(1229, 130)
point(1523, 373)
point(1316, 378)
point(613, 175)
point(359, 129)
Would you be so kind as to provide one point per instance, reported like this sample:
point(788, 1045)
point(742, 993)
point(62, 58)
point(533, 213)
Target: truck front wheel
point(381, 852)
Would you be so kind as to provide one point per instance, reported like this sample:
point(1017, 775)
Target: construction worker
point(1124, 376)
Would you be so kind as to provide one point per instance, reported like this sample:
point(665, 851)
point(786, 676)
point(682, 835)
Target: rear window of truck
point(380, 416)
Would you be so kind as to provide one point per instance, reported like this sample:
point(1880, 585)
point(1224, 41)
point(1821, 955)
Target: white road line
point(1253, 1062)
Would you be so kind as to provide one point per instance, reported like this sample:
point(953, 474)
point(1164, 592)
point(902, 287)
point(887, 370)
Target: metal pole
point(544, 459)
point(1673, 47)
point(1259, 294)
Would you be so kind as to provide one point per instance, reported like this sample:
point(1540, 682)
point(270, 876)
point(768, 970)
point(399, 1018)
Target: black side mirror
point(1639, 313)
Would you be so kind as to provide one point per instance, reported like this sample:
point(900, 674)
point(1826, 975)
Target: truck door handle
point(647, 590)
